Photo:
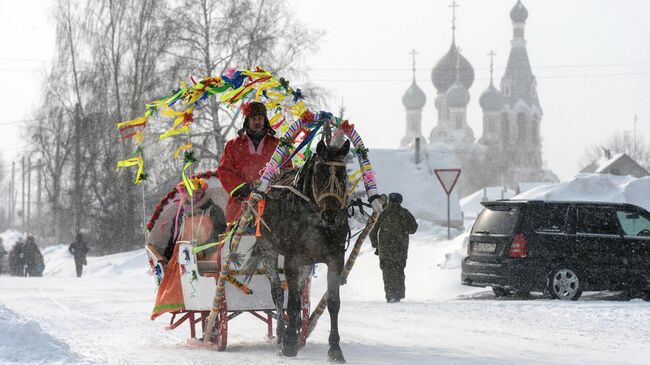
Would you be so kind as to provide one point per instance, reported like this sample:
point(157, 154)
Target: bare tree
point(217, 34)
point(620, 142)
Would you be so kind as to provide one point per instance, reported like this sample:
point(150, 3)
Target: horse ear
point(321, 150)
point(343, 151)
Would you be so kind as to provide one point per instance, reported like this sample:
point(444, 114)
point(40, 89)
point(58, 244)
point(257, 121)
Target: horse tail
point(251, 265)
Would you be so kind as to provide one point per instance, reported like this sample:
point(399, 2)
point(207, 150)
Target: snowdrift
point(596, 187)
point(23, 341)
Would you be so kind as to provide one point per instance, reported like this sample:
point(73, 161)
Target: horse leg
point(334, 268)
point(277, 293)
point(290, 341)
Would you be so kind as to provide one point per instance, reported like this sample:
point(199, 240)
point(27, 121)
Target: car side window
point(549, 219)
point(596, 220)
point(633, 223)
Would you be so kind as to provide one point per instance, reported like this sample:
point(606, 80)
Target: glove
point(377, 251)
point(242, 192)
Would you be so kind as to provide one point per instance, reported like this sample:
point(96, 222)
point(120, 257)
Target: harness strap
point(293, 190)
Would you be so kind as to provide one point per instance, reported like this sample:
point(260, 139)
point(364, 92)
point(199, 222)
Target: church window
point(506, 90)
point(535, 129)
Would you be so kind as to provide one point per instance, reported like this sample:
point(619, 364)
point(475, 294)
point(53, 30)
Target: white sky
point(591, 59)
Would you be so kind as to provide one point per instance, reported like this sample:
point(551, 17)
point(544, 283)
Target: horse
point(307, 223)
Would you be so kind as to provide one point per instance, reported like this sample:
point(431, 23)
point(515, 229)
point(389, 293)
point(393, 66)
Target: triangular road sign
point(447, 178)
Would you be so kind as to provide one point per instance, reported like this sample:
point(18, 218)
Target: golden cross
point(491, 54)
point(413, 53)
point(453, 7)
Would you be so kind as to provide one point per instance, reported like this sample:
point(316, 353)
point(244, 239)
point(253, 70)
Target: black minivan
point(560, 248)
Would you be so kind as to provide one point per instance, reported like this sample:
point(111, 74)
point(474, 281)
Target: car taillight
point(469, 248)
point(518, 246)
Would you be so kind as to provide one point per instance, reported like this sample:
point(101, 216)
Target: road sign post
point(448, 179)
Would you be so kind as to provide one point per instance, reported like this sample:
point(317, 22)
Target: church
point(510, 150)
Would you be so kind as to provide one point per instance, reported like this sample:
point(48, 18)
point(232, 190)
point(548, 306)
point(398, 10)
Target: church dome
point(491, 99)
point(414, 97)
point(443, 74)
point(519, 13)
point(457, 95)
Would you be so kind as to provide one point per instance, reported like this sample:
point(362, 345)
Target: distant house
point(619, 164)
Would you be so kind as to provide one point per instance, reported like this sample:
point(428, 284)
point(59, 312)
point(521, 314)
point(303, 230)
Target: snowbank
point(23, 341)
point(596, 187)
point(59, 262)
point(9, 238)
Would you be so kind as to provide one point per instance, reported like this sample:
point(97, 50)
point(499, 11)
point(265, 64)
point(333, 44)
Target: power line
point(404, 69)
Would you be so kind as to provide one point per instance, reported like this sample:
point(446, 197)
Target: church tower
point(452, 76)
point(492, 104)
point(413, 101)
point(520, 124)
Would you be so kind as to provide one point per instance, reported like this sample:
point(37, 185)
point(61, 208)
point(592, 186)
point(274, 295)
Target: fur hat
point(253, 109)
point(395, 198)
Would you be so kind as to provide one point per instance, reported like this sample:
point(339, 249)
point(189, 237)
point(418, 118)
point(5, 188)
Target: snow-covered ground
point(103, 317)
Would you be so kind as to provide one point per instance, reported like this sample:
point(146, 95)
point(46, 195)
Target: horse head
point(328, 182)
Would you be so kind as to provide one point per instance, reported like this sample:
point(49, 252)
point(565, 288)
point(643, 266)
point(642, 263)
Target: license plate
point(485, 247)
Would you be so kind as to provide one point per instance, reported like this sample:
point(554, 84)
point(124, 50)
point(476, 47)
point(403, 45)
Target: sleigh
point(198, 280)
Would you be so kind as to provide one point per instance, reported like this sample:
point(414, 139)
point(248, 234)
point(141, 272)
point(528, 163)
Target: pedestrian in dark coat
point(17, 259)
point(3, 253)
point(79, 249)
point(390, 237)
point(34, 263)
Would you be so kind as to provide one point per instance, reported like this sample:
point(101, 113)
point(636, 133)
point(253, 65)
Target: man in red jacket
point(245, 156)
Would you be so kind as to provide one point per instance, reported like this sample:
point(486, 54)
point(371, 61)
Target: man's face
point(256, 123)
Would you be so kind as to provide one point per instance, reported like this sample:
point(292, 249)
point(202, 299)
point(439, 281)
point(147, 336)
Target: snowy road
point(104, 318)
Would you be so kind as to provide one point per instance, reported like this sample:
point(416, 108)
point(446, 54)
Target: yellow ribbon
point(136, 121)
point(189, 185)
point(132, 162)
point(181, 149)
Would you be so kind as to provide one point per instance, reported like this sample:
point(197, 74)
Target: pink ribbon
point(368, 176)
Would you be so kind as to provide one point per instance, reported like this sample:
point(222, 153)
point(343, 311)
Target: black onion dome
point(491, 99)
point(443, 74)
point(414, 97)
point(519, 13)
point(457, 95)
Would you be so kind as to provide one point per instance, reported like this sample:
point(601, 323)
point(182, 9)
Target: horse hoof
point(289, 351)
point(336, 356)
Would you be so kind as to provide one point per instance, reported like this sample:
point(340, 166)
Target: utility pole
point(12, 195)
point(77, 170)
point(38, 193)
point(29, 190)
point(634, 136)
point(22, 199)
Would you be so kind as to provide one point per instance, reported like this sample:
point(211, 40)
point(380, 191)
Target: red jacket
point(241, 164)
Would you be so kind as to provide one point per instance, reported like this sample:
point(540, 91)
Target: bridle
point(333, 187)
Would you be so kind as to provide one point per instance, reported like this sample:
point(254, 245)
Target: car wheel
point(500, 292)
point(564, 284)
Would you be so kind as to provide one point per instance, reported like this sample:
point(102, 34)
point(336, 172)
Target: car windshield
point(493, 220)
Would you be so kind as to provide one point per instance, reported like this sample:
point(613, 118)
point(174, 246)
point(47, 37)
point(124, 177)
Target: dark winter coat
point(33, 259)
point(78, 249)
point(390, 235)
point(17, 260)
